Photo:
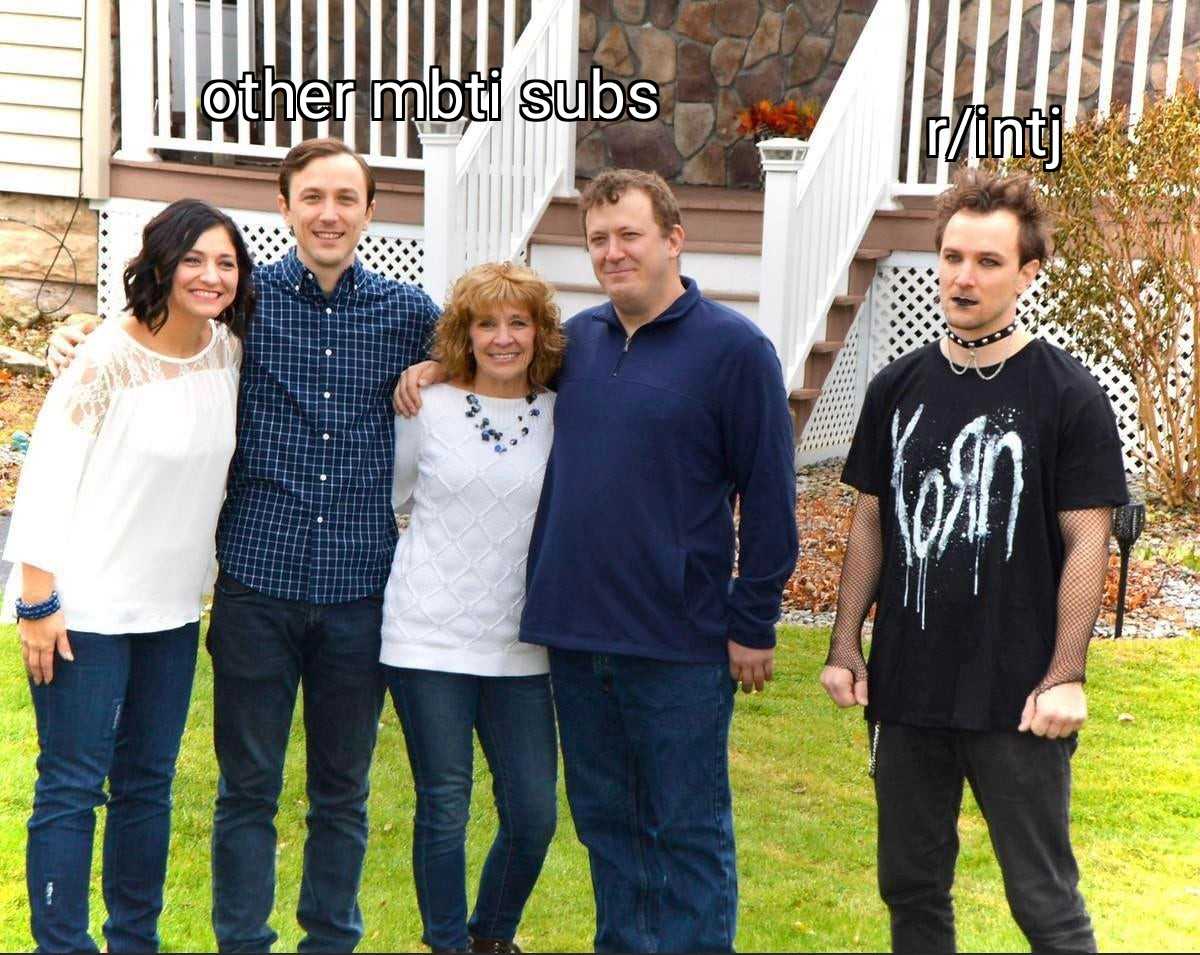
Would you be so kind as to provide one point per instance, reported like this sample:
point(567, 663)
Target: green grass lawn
point(805, 821)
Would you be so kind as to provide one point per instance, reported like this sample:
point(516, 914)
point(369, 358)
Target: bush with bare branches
point(1125, 275)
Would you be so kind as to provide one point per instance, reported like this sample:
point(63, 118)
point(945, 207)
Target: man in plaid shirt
point(305, 544)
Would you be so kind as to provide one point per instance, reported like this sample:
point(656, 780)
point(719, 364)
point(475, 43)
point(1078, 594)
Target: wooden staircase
point(908, 228)
point(722, 250)
point(837, 326)
point(724, 235)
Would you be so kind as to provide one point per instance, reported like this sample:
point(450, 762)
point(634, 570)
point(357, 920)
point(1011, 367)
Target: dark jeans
point(1022, 783)
point(116, 712)
point(264, 649)
point(646, 757)
point(515, 721)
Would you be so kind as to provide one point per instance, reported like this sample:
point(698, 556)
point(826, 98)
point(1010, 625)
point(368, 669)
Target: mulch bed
point(1162, 597)
point(20, 399)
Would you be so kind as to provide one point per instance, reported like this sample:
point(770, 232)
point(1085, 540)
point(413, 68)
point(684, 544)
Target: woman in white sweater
point(473, 462)
point(112, 538)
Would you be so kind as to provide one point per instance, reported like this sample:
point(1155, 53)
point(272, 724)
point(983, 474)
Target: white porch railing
point(499, 179)
point(484, 193)
point(817, 209)
point(170, 48)
point(1152, 68)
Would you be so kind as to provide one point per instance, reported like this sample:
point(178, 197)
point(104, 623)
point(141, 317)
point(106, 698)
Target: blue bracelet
point(38, 611)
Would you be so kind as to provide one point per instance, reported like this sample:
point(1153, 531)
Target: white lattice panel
point(830, 427)
point(906, 315)
point(393, 250)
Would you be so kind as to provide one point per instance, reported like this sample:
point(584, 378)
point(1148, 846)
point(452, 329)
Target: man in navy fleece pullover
point(669, 406)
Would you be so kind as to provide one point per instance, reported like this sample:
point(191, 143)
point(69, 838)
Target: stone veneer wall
point(1093, 40)
point(25, 255)
point(714, 57)
point(711, 59)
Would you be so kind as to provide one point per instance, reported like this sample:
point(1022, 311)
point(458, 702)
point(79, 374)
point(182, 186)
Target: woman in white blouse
point(112, 538)
point(473, 462)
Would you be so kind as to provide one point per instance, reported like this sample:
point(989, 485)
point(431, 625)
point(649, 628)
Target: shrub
point(1125, 276)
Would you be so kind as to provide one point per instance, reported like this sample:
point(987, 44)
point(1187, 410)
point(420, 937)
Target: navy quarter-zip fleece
point(633, 546)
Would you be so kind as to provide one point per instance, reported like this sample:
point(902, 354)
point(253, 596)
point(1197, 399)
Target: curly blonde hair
point(475, 294)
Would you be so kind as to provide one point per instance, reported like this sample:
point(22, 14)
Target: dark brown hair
point(167, 238)
point(983, 191)
point(475, 294)
point(303, 153)
point(608, 188)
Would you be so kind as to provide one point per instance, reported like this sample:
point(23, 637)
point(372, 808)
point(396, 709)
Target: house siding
point(41, 96)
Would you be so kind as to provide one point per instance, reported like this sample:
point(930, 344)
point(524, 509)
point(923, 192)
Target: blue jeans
point(264, 650)
point(116, 712)
point(646, 756)
point(515, 721)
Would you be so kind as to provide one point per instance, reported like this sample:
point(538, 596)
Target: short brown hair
point(983, 191)
point(608, 188)
point(479, 290)
point(305, 152)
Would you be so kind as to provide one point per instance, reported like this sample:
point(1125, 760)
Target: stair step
point(734, 278)
point(916, 214)
point(827, 347)
point(872, 254)
point(851, 300)
point(718, 295)
point(804, 394)
point(692, 245)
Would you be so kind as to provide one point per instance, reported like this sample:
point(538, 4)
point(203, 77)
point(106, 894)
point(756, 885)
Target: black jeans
point(263, 650)
point(1022, 783)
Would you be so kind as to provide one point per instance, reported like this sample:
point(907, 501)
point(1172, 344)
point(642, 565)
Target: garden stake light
point(1128, 521)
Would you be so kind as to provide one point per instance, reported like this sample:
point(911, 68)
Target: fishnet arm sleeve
point(1080, 592)
point(856, 589)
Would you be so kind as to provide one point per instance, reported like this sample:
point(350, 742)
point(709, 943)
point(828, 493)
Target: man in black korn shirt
point(987, 466)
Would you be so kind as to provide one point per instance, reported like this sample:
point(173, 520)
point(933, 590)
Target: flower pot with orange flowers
point(788, 119)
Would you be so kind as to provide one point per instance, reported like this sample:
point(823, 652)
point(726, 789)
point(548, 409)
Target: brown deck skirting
point(243, 187)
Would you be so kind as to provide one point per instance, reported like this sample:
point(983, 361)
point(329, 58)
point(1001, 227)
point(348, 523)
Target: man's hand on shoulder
point(1056, 712)
point(750, 667)
point(60, 350)
point(406, 399)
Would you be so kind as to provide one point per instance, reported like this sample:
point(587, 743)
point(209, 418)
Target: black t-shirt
point(971, 475)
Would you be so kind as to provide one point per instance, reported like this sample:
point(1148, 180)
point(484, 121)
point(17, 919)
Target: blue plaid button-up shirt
point(308, 512)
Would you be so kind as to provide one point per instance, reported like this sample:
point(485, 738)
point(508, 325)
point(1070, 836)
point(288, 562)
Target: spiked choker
point(980, 342)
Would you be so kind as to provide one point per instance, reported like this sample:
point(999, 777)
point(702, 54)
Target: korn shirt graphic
point(954, 500)
point(971, 475)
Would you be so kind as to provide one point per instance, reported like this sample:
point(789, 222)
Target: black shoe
point(493, 946)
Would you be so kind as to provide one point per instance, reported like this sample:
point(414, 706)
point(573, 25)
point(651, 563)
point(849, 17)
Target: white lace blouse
point(120, 490)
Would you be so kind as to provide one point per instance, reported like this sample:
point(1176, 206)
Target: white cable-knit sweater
point(457, 586)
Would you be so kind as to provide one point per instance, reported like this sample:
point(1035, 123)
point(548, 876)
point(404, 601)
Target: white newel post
point(136, 26)
point(569, 70)
point(781, 163)
point(444, 248)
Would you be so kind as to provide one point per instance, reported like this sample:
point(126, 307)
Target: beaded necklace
point(489, 433)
